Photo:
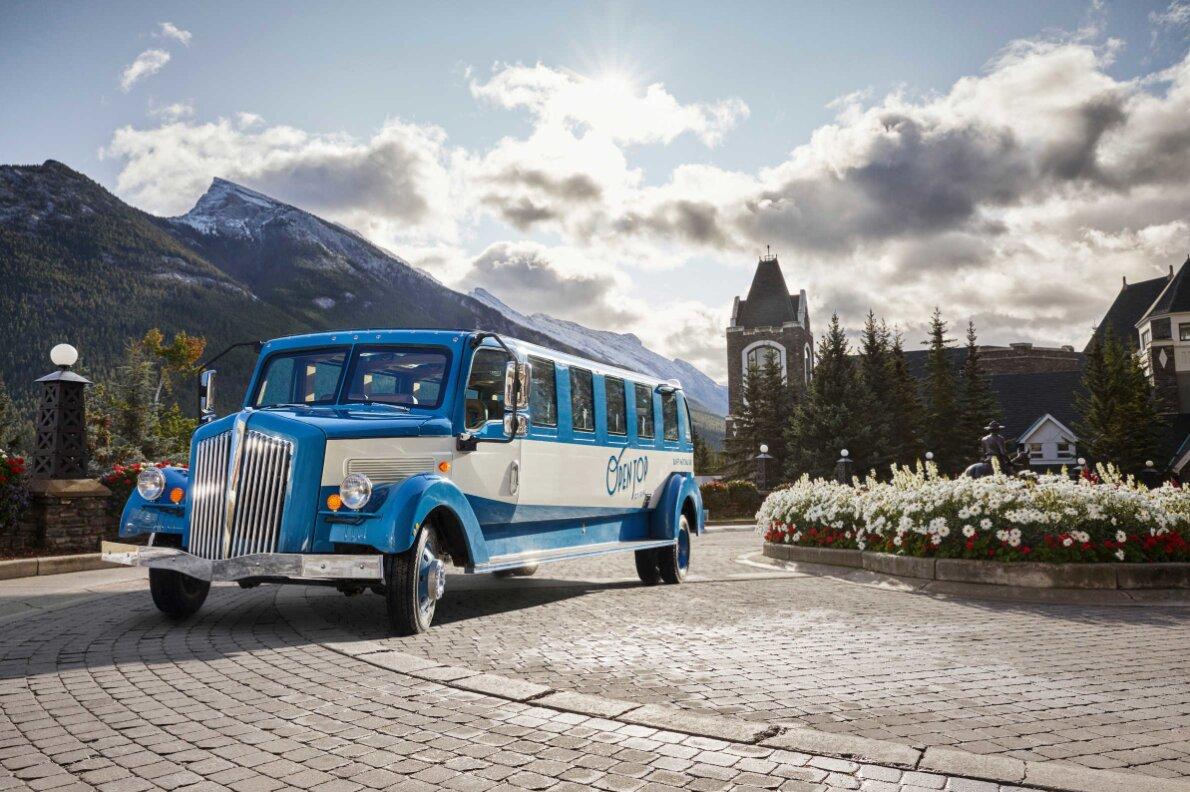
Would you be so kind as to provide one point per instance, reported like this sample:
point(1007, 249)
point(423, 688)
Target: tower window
point(762, 356)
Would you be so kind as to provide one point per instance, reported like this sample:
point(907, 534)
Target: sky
point(623, 165)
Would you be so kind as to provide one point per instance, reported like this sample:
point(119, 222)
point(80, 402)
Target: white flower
point(985, 523)
point(897, 540)
point(968, 531)
point(936, 539)
point(1120, 554)
point(944, 531)
point(1121, 537)
point(1067, 542)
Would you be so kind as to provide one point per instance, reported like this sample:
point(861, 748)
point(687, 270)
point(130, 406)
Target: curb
point(1055, 776)
point(52, 565)
point(1020, 574)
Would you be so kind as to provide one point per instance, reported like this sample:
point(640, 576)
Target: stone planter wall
point(1026, 574)
point(64, 516)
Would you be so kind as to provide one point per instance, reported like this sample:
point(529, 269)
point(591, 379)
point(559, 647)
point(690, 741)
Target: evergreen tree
point(13, 428)
point(904, 409)
point(875, 394)
point(941, 400)
point(829, 417)
point(978, 405)
point(1119, 419)
point(764, 410)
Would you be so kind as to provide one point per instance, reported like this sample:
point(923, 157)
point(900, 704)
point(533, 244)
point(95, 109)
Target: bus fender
point(681, 489)
point(141, 517)
point(410, 503)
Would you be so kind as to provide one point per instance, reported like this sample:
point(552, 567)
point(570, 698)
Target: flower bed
point(14, 494)
point(1046, 518)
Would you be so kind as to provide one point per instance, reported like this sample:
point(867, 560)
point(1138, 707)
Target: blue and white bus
point(370, 459)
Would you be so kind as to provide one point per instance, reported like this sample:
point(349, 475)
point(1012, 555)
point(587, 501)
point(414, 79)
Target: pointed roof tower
point(769, 303)
point(1175, 297)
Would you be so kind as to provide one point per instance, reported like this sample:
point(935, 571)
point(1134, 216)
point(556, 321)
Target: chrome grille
point(390, 471)
point(260, 487)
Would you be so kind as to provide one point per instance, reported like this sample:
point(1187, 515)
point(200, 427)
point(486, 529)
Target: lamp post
point(60, 450)
point(762, 468)
point(844, 468)
point(1150, 476)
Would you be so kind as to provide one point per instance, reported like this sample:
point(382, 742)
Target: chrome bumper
point(296, 566)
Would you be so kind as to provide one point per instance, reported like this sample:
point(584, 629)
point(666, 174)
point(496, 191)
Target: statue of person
point(993, 446)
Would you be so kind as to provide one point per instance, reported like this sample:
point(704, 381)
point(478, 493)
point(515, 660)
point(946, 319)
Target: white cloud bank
point(1017, 197)
point(171, 31)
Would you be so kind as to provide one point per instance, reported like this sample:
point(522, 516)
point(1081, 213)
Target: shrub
point(727, 499)
point(1045, 518)
point(14, 491)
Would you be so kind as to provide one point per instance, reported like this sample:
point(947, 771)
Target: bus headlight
point(150, 483)
point(355, 490)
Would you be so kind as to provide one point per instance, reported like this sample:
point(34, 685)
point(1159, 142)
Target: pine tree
point(941, 400)
point(1119, 420)
point(875, 396)
point(829, 418)
point(765, 407)
point(904, 409)
point(978, 405)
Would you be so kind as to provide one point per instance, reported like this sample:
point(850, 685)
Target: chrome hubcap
point(436, 579)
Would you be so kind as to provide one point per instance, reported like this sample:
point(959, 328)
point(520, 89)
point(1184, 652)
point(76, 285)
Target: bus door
point(490, 474)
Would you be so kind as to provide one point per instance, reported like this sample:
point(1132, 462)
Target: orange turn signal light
point(444, 466)
point(334, 502)
point(176, 494)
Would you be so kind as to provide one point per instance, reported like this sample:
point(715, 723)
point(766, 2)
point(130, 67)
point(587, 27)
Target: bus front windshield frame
point(398, 375)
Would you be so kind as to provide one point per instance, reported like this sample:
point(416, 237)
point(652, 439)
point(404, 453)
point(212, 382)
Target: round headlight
point(150, 483)
point(355, 490)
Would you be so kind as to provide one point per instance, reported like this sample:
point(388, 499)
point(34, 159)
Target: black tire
point(646, 567)
point(674, 562)
point(176, 595)
point(409, 613)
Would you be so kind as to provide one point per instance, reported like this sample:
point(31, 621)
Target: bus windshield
point(405, 376)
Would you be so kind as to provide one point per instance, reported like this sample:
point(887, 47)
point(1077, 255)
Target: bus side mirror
point(516, 385)
point(206, 396)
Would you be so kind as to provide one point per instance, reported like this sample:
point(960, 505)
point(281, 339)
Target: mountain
point(625, 348)
point(80, 265)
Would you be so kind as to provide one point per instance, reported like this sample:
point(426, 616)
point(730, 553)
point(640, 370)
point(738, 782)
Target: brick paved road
point(1105, 687)
point(106, 694)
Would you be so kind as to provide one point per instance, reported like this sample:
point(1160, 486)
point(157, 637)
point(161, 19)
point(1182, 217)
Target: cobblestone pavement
point(107, 694)
point(1106, 687)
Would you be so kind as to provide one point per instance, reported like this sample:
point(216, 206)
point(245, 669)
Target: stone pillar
point(67, 511)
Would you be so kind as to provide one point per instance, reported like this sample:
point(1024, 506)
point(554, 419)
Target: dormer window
point(1161, 329)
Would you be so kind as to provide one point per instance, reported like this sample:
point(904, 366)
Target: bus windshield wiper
point(371, 403)
point(284, 406)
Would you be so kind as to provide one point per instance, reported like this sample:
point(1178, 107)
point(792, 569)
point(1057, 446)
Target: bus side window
point(485, 388)
point(617, 420)
point(582, 400)
point(543, 394)
point(684, 424)
point(644, 411)
point(669, 414)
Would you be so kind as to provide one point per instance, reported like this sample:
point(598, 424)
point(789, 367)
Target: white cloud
point(146, 64)
point(172, 111)
point(609, 105)
point(171, 31)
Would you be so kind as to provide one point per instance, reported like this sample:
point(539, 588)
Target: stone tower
point(769, 322)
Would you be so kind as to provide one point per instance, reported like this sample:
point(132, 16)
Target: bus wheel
point(176, 595)
point(416, 580)
point(646, 567)
point(674, 562)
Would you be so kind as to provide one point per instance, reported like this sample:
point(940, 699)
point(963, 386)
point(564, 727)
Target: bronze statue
point(993, 446)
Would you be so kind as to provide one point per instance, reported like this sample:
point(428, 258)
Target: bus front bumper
point(294, 566)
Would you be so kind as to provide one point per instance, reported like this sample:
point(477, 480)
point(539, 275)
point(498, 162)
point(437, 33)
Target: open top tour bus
point(367, 459)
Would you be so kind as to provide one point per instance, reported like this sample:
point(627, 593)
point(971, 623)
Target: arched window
point(809, 363)
point(761, 356)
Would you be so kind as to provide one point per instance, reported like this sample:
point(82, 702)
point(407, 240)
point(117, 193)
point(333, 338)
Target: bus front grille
point(253, 501)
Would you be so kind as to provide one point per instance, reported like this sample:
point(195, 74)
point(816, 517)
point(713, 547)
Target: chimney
point(1125, 282)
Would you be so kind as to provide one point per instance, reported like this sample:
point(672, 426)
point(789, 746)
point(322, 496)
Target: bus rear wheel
point(414, 582)
point(176, 595)
point(646, 567)
point(674, 562)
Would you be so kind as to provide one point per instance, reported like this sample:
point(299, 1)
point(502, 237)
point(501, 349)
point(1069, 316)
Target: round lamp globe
point(64, 355)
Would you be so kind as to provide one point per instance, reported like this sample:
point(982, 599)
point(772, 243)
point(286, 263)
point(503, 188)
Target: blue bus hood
point(364, 420)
